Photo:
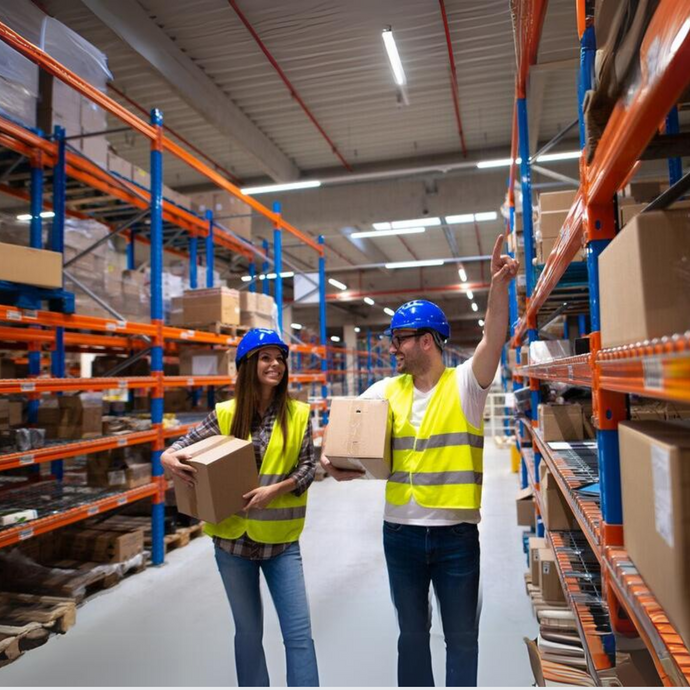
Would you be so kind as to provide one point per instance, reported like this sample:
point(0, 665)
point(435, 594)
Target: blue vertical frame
point(278, 266)
point(322, 321)
point(209, 250)
point(193, 262)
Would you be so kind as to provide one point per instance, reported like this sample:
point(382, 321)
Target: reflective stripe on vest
point(441, 463)
point(282, 520)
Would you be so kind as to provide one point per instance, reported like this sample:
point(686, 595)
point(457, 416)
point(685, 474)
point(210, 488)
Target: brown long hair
point(247, 389)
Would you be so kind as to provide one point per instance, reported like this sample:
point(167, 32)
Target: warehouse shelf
point(62, 450)
point(13, 535)
point(580, 577)
point(62, 385)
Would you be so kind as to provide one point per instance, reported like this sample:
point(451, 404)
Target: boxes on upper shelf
point(230, 211)
point(644, 281)
point(205, 361)
point(655, 485)
point(556, 201)
point(561, 422)
point(211, 305)
point(29, 266)
point(72, 417)
point(557, 515)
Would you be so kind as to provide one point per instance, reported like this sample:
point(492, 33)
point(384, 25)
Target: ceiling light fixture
point(387, 233)
point(462, 218)
point(416, 222)
point(563, 156)
point(357, 329)
point(369, 301)
point(296, 326)
point(462, 274)
point(394, 56)
point(474, 306)
point(28, 216)
point(335, 338)
point(389, 311)
point(481, 322)
point(337, 283)
point(288, 187)
point(381, 226)
point(488, 215)
point(415, 264)
point(470, 295)
point(246, 279)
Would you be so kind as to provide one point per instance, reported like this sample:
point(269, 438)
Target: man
point(433, 495)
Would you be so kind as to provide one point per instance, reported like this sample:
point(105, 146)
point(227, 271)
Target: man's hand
point(338, 474)
point(503, 268)
point(171, 462)
point(260, 497)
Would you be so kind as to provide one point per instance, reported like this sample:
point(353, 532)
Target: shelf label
point(122, 442)
point(122, 324)
point(186, 335)
point(570, 371)
point(27, 387)
point(190, 382)
point(26, 534)
point(110, 326)
point(122, 500)
point(653, 369)
point(663, 493)
point(13, 315)
point(122, 384)
point(27, 459)
point(93, 510)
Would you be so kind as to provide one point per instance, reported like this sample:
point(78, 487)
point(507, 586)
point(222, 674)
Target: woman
point(264, 537)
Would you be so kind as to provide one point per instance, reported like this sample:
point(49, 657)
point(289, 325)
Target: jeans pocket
point(391, 526)
point(464, 529)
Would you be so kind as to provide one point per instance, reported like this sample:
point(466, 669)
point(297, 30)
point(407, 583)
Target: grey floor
point(171, 626)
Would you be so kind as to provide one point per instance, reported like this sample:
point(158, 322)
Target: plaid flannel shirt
point(303, 474)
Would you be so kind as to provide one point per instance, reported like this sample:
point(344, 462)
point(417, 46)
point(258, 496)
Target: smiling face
point(270, 366)
point(405, 347)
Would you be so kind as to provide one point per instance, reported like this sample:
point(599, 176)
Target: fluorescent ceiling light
point(271, 276)
point(462, 218)
point(416, 222)
point(307, 184)
point(481, 322)
point(497, 163)
point(415, 264)
point(357, 329)
point(488, 215)
point(335, 338)
point(387, 233)
point(389, 311)
point(474, 306)
point(394, 57)
point(28, 216)
point(470, 294)
point(462, 274)
point(47, 214)
point(246, 279)
point(381, 226)
point(563, 156)
point(296, 326)
point(369, 301)
point(337, 283)
point(24, 216)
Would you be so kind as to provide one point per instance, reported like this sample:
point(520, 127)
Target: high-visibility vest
point(441, 463)
point(282, 520)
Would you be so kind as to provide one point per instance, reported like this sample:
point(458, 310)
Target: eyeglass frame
point(402, 338)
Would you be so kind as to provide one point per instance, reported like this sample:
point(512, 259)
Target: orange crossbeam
point(55, 385)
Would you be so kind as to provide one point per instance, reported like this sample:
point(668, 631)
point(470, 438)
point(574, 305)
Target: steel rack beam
point(59, 385)
point(14, 535)
point(68, 450)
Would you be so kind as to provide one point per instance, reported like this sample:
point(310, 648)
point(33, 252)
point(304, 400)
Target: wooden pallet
point(222, 329)
point(181, 537)
point(27, 620)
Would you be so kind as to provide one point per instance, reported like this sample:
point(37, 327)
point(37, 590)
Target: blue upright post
point(675, 165)
point(209, 250)
point(322, 321)
point(588, 50)
point(158, 511)
point(193, 261)
point(582, 324)
point(131, 249)
point(57, 244)
point(265, 268)
point(252, 275)
point(278, 267)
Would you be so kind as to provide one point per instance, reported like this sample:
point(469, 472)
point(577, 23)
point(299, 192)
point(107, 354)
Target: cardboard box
point(644, 191)
point(536, 544)
point(301, 395)
point(556, 201)
point(120, 166)
point(655, 482)
point(211, 305)
point(359, 436)
point(100, 546)
point(549, 582)
point(16, 412)
point(561, 422)
point(232, 212)
point(557, 515)
point(81, 416)
point(551, 222)
point(226, 470)
point(257, 321)
point(652, 252)
point(205, 361)
point(28, 266)
point(525, 508)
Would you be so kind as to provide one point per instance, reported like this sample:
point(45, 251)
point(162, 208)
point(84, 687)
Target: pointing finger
point(496, 255)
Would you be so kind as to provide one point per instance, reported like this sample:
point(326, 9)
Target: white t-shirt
point(473, 400)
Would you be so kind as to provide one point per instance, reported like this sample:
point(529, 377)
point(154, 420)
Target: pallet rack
point(27, 326)
point(658, 369)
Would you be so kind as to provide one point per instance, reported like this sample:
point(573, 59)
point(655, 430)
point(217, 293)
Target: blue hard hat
point(258, 338)
point(419, 313)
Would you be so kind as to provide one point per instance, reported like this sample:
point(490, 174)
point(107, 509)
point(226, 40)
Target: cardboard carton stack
point(256, 310)
point(210, 306)
point(206, 361)
point(120, 468)
point(230, 211)
point(553, 209)
point(72, 417)
point(561, 422)
point(652, 253)
point(557, 515)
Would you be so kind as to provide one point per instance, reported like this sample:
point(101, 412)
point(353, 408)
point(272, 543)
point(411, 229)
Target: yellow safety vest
point(282, 520)
point(441, 463)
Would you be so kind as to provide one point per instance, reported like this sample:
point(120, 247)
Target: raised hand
point(503, 268)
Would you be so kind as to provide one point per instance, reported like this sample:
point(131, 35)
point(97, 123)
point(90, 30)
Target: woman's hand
point(338, 474)
point(171, 462)
point(260, 497)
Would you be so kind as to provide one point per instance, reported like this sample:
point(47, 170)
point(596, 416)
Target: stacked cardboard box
point(29, 266)
point(256, 310)
point(655, 481)
point(206, 306)
point(652, 252)
point(72, 417)
point(557, 515)
point(205, 361)
point(11, 412)
point(99, 546)
point(561, 422)
point(230, 211)
point(552, 211)
point(120, 468)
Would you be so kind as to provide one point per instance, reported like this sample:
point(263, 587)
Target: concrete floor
point(171, 626)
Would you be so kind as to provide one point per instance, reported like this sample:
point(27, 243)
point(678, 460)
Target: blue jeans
point(285, 580)
point(448, 558)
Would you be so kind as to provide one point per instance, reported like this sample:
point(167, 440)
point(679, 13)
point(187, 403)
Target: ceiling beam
point(132, 24)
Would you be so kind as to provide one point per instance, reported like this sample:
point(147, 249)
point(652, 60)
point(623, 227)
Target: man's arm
point(488, 353)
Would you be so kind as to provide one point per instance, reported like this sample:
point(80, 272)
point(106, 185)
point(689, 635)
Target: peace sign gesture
point(503, 268)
